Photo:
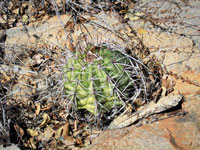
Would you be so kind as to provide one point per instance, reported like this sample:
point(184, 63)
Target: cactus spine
point(93, 80)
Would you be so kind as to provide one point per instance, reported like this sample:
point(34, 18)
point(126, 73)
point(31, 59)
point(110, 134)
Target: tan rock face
point(188, 89)
point(177, 53)
point(180, 132)
point(38, 33)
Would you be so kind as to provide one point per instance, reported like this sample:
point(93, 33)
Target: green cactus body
point(90, 85)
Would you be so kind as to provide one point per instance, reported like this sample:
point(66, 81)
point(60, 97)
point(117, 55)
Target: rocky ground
point(31, 56)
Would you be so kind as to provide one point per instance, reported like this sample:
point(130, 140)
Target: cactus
point(94, 80)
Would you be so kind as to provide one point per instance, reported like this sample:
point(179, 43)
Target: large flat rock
point(180, 132)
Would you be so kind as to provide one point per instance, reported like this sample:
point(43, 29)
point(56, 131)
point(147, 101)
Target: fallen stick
point(163, 104)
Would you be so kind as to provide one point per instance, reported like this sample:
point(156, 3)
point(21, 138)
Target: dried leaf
point(164, 92)
point(64, 132)
point(165, 82)
point(48, 133)
point(38, 58)
point(75, 125)
point(79, 141)
point(19, 130)
point(24, 18)
point(167, 85)
point(141, 31)
point(37, 110)
point(59, 133)
point(69, 45)
point(75, 134)
point(68, 141)
point(32, 132)
point(92, 18)
point(129, 108)
point(140, 14)
point(46, 119)
point(46, 107)
point(32, 143)
point(24, 5)
point(133, 16)
point(5, 78)
point(69, 26)
point(123, 11)
point(16, 11)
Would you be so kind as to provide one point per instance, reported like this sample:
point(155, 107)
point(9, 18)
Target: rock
point(185, 88)
point(12, 147)
point(176, 52)
point(38, 33)
point(34, 36)
point(180, 132)
point(172, 17)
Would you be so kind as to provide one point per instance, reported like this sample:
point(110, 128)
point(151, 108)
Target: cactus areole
point(95, 79)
